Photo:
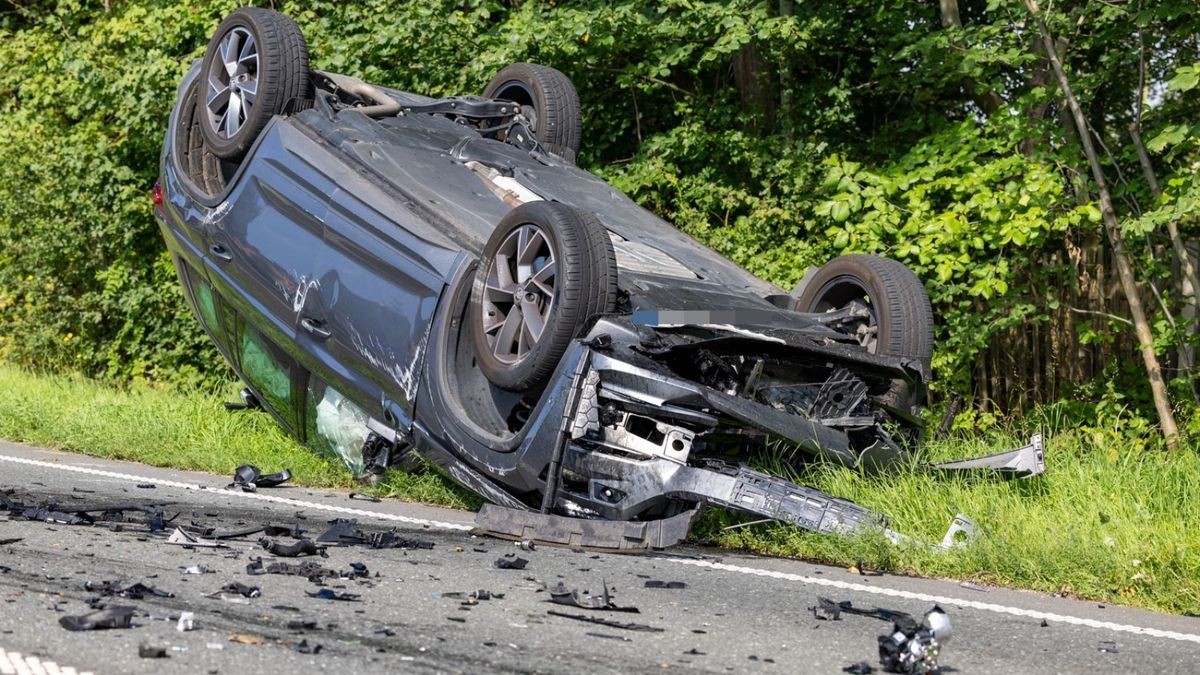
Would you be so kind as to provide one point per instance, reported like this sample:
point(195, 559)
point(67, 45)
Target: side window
point(206, 303)
point(268, 370)
point(334, 425)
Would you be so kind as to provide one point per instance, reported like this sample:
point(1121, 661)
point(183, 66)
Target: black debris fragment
point(860, 668)
point(13, 540)
point(308, 569)
point(304, 648)
point(695, 652)
point(1109, 647)
point(1045, 624)
point(113, 617)
point(242, 590)
point(343, 531)
point(295, 549)
point(133, 592)
point(386, 632)
point(606, 636)
point(458, 619)
point(656, 583)
point(302, 624)
point(152, 652)
point(607, 622)
point(249, 478)
point(826, 610)
point(509, 562)
point(147, 486)
point(562, 595)
point(330, 594)
point(364, 497)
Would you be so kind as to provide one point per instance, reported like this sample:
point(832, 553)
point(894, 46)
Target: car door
point(376, 288)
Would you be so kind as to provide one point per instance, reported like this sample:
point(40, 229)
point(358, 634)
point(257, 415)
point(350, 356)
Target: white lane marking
point(345, 510)
point(13, 663)
point(937, 599)
point(832, 583)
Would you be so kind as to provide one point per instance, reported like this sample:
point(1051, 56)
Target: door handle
point(315, 328)
point(220, 252)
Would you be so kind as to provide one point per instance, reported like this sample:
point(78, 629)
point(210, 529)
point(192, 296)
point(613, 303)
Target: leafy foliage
point(780, 139)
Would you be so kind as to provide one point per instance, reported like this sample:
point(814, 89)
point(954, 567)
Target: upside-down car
point(398, 277)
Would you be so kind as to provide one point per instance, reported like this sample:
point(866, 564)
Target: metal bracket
point(613, 535)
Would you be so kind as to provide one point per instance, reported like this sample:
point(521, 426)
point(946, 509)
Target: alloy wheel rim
point(519, 293)
point(232, 81)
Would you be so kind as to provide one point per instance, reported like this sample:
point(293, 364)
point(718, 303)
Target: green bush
point(780, 141)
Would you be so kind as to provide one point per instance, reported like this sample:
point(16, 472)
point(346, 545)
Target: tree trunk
point(988, 101)
point(786, 8)
point(1158, 389)
point(1189, 281)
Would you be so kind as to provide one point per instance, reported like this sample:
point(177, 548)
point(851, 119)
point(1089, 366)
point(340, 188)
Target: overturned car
point(397, 277)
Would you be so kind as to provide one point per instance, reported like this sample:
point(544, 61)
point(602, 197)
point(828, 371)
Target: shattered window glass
point(266, 372)
point(335, 425)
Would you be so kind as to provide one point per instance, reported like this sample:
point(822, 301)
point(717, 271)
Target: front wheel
point(888, 309)
point(546, 270)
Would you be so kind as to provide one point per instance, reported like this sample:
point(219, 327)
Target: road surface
point(737, 613)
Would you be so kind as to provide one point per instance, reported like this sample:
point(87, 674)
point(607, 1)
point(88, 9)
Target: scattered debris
point(133, 592)
point(330, 594)
point(560, 594)
point(655, 583)
point(113, 617)
point(509, 562)
point(910, 647)
point(147, 486)
point(149, 652)
point(364, 497)
point(246, 639)
point(457, 619)
point(302, 624)
point(293, 550)
point(1109, 647)
point(308, 569)
point(826, 610)
point(607, 622)
point(695, 652)
point(196, 569)
point(973, 587)
point(242, 590)
point(304, 648)
point(343, 531)
point(249, 478)
point(187, 622)
point(13, 540)
point(860, 668)
point(606, 636)
point(181, 537)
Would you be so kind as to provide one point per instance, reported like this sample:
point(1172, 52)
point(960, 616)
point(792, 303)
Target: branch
point(1106, 315)
point(648, 78)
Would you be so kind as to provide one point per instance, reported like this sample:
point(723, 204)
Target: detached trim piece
point(1024, 462)
point(613, 535)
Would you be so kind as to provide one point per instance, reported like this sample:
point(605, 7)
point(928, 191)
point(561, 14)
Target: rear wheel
point(255, 67)
point(547, 99)
point(546, 270)
point(890, 313)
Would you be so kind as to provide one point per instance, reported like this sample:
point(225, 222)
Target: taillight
point(157, 194)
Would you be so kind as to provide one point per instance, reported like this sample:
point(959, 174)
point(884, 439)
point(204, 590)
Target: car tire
point(523, 320)
point(270, 77)
point(900, 308)
point(552, 101)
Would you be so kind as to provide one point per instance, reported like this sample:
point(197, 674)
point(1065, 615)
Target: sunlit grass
point(1107, 521)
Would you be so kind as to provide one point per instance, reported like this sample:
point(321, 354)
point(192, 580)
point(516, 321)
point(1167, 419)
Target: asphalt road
point(737, 613)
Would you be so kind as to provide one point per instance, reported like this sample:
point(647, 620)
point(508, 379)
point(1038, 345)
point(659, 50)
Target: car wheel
point(898, 319)
point(547, 99)
point(255, 67)
point(546, 270)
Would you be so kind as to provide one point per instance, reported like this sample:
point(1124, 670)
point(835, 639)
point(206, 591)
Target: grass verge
point(1103, 523)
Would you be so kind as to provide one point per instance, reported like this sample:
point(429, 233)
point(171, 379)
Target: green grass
point(1107, 521)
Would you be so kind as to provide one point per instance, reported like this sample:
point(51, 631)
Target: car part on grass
point(1024, 462)
point(607, 622)
point(249, 478)
point(113, 617)
point(295, 549)
point(456, 294)
point(573, 597)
